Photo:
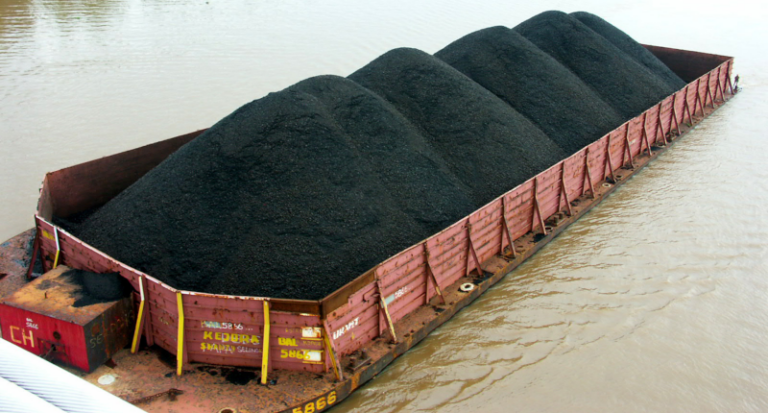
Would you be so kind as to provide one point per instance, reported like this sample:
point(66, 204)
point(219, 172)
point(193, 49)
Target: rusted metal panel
point(356, 323)
point(90, 184)
point(574, 176)
point(45, 202)
point(403, 294)
point(448, 251)
point(162, 315)
point(41, 318)
point(355, 328)
point(635, 134)
point(655, 133)
point(35, 333)
point(340, 297)
point(397, 287)
point(616, 147)
point(301, 334)
point(688, 65)
point(109, 332)
point(392, 271)
point(222, 333)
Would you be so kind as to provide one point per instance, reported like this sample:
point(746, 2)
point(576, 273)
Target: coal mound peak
point(473, 130)
point(627, 86)
point(533, 83)
point(632, 48)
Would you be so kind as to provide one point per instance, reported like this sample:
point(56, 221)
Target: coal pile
point(632, 48)
point(627, 86)
point(420, 194)
point(485, 142)
point(97, 288)
point(417, 177)
point(296, 194)
point(534, 84)
point(292, 196)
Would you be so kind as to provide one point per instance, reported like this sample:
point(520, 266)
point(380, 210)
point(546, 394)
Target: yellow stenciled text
point(231, 337)
point(287, 341)
point(26, 336)
point(219, 348)
point(317, 404)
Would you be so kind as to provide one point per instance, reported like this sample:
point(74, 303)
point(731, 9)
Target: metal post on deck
point(628, 148)
point(139, 318)
point(645, 136)
point(608, 161)
point(472, 253)
point(673, 116)
point(728, 82)
point(698, 98)
point(660, 127)
point(35, 250)
point(709, 91)
point(505, 229)
point(58, 248)
point(332, 354)
point(430, 276)
point(564, 189)
point(536, 208)
point(383, 306)
point(265, 352)
point(588, 177)
point(180, 337)
point(718, 86)
point(687, 107)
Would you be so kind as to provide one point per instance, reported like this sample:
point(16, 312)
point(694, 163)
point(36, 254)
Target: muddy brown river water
point(655, 301)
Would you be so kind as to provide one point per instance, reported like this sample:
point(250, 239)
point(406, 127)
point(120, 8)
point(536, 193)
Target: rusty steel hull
point(41, 318)
point(321, 351)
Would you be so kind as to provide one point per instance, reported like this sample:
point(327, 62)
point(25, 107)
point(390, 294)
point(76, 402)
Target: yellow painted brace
point(58, 248)
point(137, 331)
point(180, 339)
point(332, 355)
point(389, 319)
point(383, 306)
point(265, 353)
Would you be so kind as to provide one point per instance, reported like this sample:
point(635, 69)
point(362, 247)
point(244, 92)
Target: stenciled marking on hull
point(231, 337)
point(345, 328)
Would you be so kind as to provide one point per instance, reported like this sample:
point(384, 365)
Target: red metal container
point(41, 319)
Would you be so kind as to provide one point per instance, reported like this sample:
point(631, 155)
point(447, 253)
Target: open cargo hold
point(360, 328)
point(329, 168)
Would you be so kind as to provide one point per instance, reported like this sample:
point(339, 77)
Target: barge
point(165, 349)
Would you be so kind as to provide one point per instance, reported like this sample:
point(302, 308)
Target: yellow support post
point(332, 355)
point(265, 353)
point(180, 338)
point(58, 248)
point(383, 304)
point(139, 318)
